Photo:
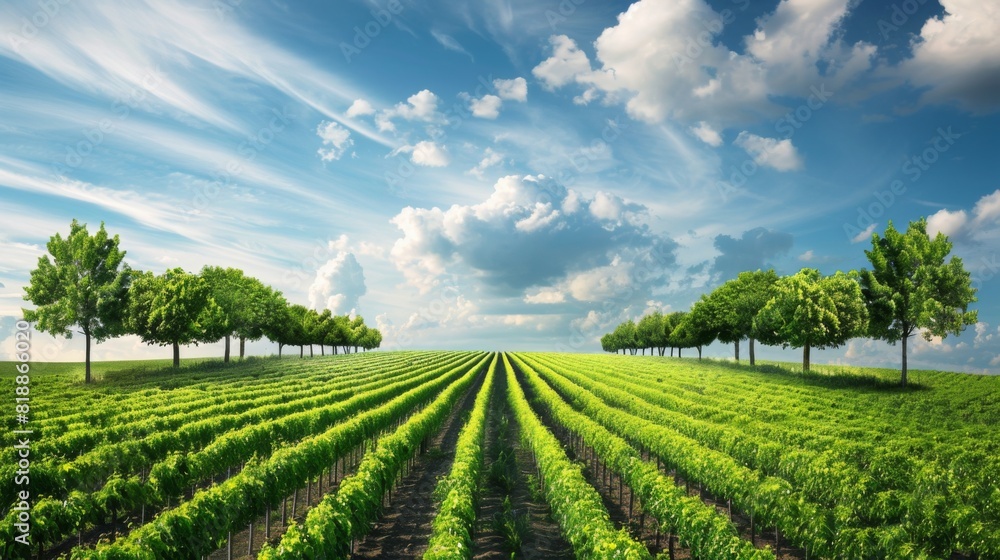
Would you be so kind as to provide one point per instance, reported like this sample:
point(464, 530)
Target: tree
point(692, 331)
point(85, 285)
point(670, 323)
point(174, 308)
point(911, 287)
point(810, 311)
point(626, 336)
point(649, 331)
point(245, 301)
point(736, 304)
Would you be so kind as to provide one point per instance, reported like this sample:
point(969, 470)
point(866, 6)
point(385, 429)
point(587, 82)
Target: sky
point(502, 174)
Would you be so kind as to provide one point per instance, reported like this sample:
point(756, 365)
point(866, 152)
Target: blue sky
point(503, 174)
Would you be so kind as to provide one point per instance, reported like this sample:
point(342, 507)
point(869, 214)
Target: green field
point(611, 456)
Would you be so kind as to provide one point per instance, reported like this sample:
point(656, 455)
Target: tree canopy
point(85, 285)
point(912, 288)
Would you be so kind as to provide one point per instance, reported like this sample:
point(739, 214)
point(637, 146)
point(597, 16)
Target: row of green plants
point(911, 289)
point(898, 502)
point(698, 526)
point(576, 505)
point(940, 490)
point(168, 478)
point(86, 286)
point(199, 525)
point(452, 531)
point(340, 518)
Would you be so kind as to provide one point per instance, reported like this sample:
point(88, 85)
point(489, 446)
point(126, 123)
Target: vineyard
point(450, 455)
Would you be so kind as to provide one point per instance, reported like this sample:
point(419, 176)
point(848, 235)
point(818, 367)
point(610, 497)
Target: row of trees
point(910, 289)
point(87, 286)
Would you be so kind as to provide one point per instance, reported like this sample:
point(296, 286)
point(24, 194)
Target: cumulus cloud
point(545, 296)
point(360, 108)
point(707, 134)
point(524, 235)
point(490, 158)
point(512, 90)
point(957, 56)
point(338, 285)
point(750, 252)
point(665, 60)
point(426, 153)
point(960, 224)
point(336, 140)
point(421, 106)
point(486, 107)
point(770, 152)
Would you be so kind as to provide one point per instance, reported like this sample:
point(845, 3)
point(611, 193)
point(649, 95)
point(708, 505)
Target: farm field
point(433, 454)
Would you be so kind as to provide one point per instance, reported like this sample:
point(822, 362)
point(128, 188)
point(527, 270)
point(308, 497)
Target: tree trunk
point(699, 352)
point(243, 347)
point(302, 351)
point(177, 355)
point(737, 346)
point(679, 350)
point(902, 380)
point(752, 361)
point(805, 358)
point(671, 351)
point(86, 378)
point(225, 358)
point(322, 350)
point(280, 346)
point(310, 350)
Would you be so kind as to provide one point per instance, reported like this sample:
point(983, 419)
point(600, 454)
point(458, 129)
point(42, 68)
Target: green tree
point(174, 308)
point(84, 285)
point(736, 303)
point(627, 336)
point(911, 287)
point(809, 311)
point(692, 329)
point(649, 331)
point(245, 301)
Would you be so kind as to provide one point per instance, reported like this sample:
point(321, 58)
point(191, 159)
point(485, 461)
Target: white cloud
point(486, 107)
point(338, 285)
point(707, 134)
point(601, 283)
point(490, 158)
point(426, 153)
point(664, 60)
point(450, 43)
point(948, 223)
point(360, 108)
point(957, 56)
point(336, 138)
point(566, 63)
point(512, 90)
point(865, 235)
point(778, 154)
point(808, 256)
point(984, 218)
point(982, 334)
point(421, 106)
point(545, 296)
point(520, 237)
